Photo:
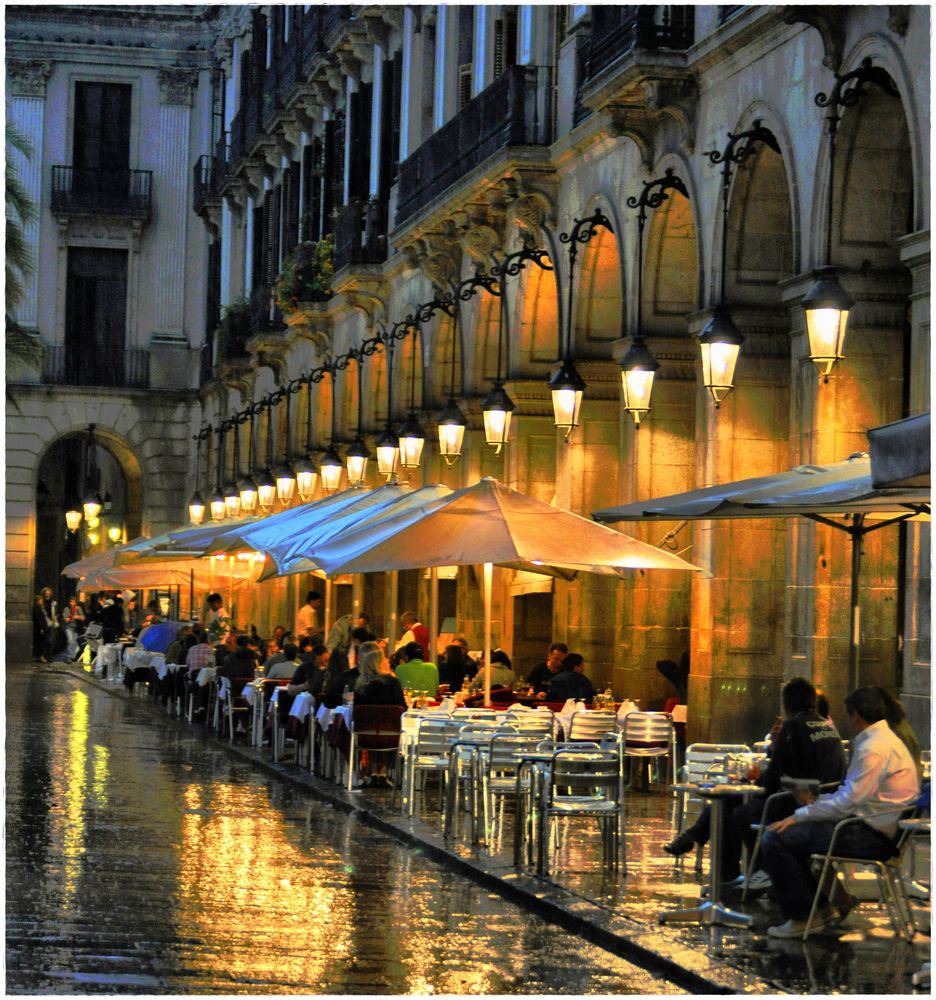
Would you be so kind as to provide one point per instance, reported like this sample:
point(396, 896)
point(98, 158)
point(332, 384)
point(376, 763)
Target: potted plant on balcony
point(233, 332)
point(306, 275)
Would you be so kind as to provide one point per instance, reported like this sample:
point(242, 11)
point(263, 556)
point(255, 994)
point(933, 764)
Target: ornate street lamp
point(451, 422)
point(827, 304)
point(331, 464)
point(565, 384)
point(196, 505)
point(388, 444)
point(720, 340)
point(285, 475)
point(638, 366)
point(357, 454)
point(217, 498)
point(92, 502)
point(412, 435)
point(306, 470)
point(72, 515)
point(266, 484)
point(497, 406)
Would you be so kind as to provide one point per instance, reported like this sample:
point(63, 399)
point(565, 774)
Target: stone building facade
point(430, 141)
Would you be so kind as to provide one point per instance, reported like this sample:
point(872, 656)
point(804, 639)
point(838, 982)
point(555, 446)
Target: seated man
point(806, 746)
point(570, 681)
point(414, 673)
point(284, 665)
point(543, 673)
point(880, 782)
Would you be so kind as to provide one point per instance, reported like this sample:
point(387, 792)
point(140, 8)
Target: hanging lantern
point(357, 457)
point(451, 424)
point(285, 484)
point(496, 409)
point(412, 440)
point(720, 342)
point(73, 517)
point(638, 367)
point(306, 476)
point(827, 305)
point(388, 452)
point(196, 508)
point(266, 490)
point(248, 495)
point(115, 532)
point(92, 505)
point(231, 500)
point(566, 386)
point(217, 507)
point(331, 466)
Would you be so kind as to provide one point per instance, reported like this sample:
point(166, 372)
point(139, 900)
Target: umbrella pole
point(433, 612)
point(488, 573)
point(854, 641)
point(191, 595)
point(393, 585)
point(328, 606)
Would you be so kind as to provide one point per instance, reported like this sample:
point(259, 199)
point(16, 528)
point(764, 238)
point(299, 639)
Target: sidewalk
point(620, 914)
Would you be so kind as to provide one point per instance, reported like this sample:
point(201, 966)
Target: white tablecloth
point(204, 675)
point(302, 705)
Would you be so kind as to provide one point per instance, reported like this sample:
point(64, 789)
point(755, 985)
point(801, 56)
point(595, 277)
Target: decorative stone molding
point(176, 85)
point(311, 321)
point(660, 102)
point(830, 23)
point(28, 77)
point(899, 19)
point(479, 242)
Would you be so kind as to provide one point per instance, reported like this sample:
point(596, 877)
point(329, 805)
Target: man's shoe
point(759, 882)
point(682, 843)
point(788, 930)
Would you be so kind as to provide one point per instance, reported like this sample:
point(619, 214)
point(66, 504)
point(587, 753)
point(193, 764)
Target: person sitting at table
point(570, 681)
point(342, 678)
point(415, 632)
point(176, 651)
point(897, 719)
point(113, 623)
point(413, 673)
point(880, 782)
point(285, 665)
point(502, 673)
point(240, 662)
point(806, 746)
point(200, 654)
point(542, 674)
point(455, 666)
point(376, 685)
point(309, 675)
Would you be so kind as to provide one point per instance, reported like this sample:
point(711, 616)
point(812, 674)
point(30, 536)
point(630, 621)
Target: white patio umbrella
point(840, 495)
point(489, 523)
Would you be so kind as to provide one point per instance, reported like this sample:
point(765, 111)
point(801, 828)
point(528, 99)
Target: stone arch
point(484, 367)
point(671, 267)
point(760, 248)
point(599, 300)
point(408, 377)
point(348, 400)
point(375, 390)
point(441, 347)
point(534, 341)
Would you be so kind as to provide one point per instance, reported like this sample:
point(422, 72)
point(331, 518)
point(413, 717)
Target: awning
point(901, 452)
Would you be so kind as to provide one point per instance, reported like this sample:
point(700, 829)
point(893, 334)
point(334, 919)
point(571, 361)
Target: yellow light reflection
point(73, 834)
point(101, 770)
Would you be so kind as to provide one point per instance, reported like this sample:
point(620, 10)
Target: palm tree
point(22, 347)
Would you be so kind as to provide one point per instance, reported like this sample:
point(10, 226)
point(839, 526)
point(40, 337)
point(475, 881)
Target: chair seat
point(582, 806)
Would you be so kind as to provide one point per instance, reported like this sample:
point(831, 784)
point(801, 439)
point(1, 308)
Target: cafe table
point(712, 910)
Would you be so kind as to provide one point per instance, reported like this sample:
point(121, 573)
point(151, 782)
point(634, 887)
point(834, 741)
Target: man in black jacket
point(806, 746)
point(541, 675)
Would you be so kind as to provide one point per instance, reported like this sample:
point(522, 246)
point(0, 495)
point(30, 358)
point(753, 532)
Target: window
point(101, 138)
point(95, 316)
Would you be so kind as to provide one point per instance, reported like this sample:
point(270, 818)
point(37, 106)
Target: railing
point(106, 192)
point(206, 184)
point(236, 140)
point(360, 233)
point(74, 364)
point(617, 30)
point(312, 42)
point(261, 303)
point(728, 10)
point(333, 16)
point(512, 111)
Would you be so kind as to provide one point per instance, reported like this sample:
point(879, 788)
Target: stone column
point(916, 655)
point(829, 422)
point(27, 91)
point(658, 459)
point(171, 195)
point(738, 621)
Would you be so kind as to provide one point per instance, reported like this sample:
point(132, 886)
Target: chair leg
point(351, 753)
point(827, 868)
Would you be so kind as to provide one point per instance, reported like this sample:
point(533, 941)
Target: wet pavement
point(225, 816)
point(143, 858)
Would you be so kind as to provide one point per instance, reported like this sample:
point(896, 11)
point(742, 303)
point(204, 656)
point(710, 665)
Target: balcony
point(206, 186)
point(512, 111)
point(361, 233)
point(616, 31)
point(264, 314)
point(81, 365)
point(127, 193)
point(313, 43)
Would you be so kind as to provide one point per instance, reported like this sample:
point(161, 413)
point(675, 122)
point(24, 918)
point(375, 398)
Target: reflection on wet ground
point(143, 859)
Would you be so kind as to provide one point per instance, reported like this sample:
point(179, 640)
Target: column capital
point(28, 77)
point(176, 84)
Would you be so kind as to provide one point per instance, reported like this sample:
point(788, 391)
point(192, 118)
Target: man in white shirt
point(880, 782)
point(307, 619)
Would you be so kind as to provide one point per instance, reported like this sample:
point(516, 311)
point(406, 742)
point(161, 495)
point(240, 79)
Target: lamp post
point(827, 304)
point(216, 503)
point(331, 464)
point(306, 469)
point(412, 435)
point(247, 485)
point(196, 505)
point(285, 475)
point(357, 454)
point(451, 422)
point(92, 502)
point(720, 340)
point(388, 444)
point(565, 384)
point(266, 484)
point(231, 492)
point(638, 366)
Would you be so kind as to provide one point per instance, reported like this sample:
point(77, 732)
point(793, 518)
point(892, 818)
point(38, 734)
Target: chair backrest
point(374, 719)
point(703, 757)
point(576, 772)
point(527, 721)
point(550, 746)
point(433, 735)
point(505, 745)
point(93, 631)
point(648, 727)
point(587, 725)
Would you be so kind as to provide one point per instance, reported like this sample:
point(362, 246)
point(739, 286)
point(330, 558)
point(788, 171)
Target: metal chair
point(583, 783)
point(888, 875)
point(427, 752)
point(373, 728)
point(525, 721)
point(586, 725)
point(463, 780)
point(232, 703)
point(499, 777)
point(650, 736)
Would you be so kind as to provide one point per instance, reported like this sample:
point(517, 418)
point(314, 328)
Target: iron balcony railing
point(512, 111)
point(207, 182)
point(82, 364)
point(360, 233)
point(617, 30)
point(104, 192)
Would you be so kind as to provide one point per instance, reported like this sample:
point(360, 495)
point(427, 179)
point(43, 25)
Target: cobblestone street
point(144, 859)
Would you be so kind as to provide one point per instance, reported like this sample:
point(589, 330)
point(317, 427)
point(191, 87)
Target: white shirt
point(305, 620)
point(881, 780)
point(404, 639)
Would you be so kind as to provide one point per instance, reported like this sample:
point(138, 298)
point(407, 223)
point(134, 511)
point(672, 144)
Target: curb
point(553, 903)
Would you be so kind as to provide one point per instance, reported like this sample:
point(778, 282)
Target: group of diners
point(881, 779)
